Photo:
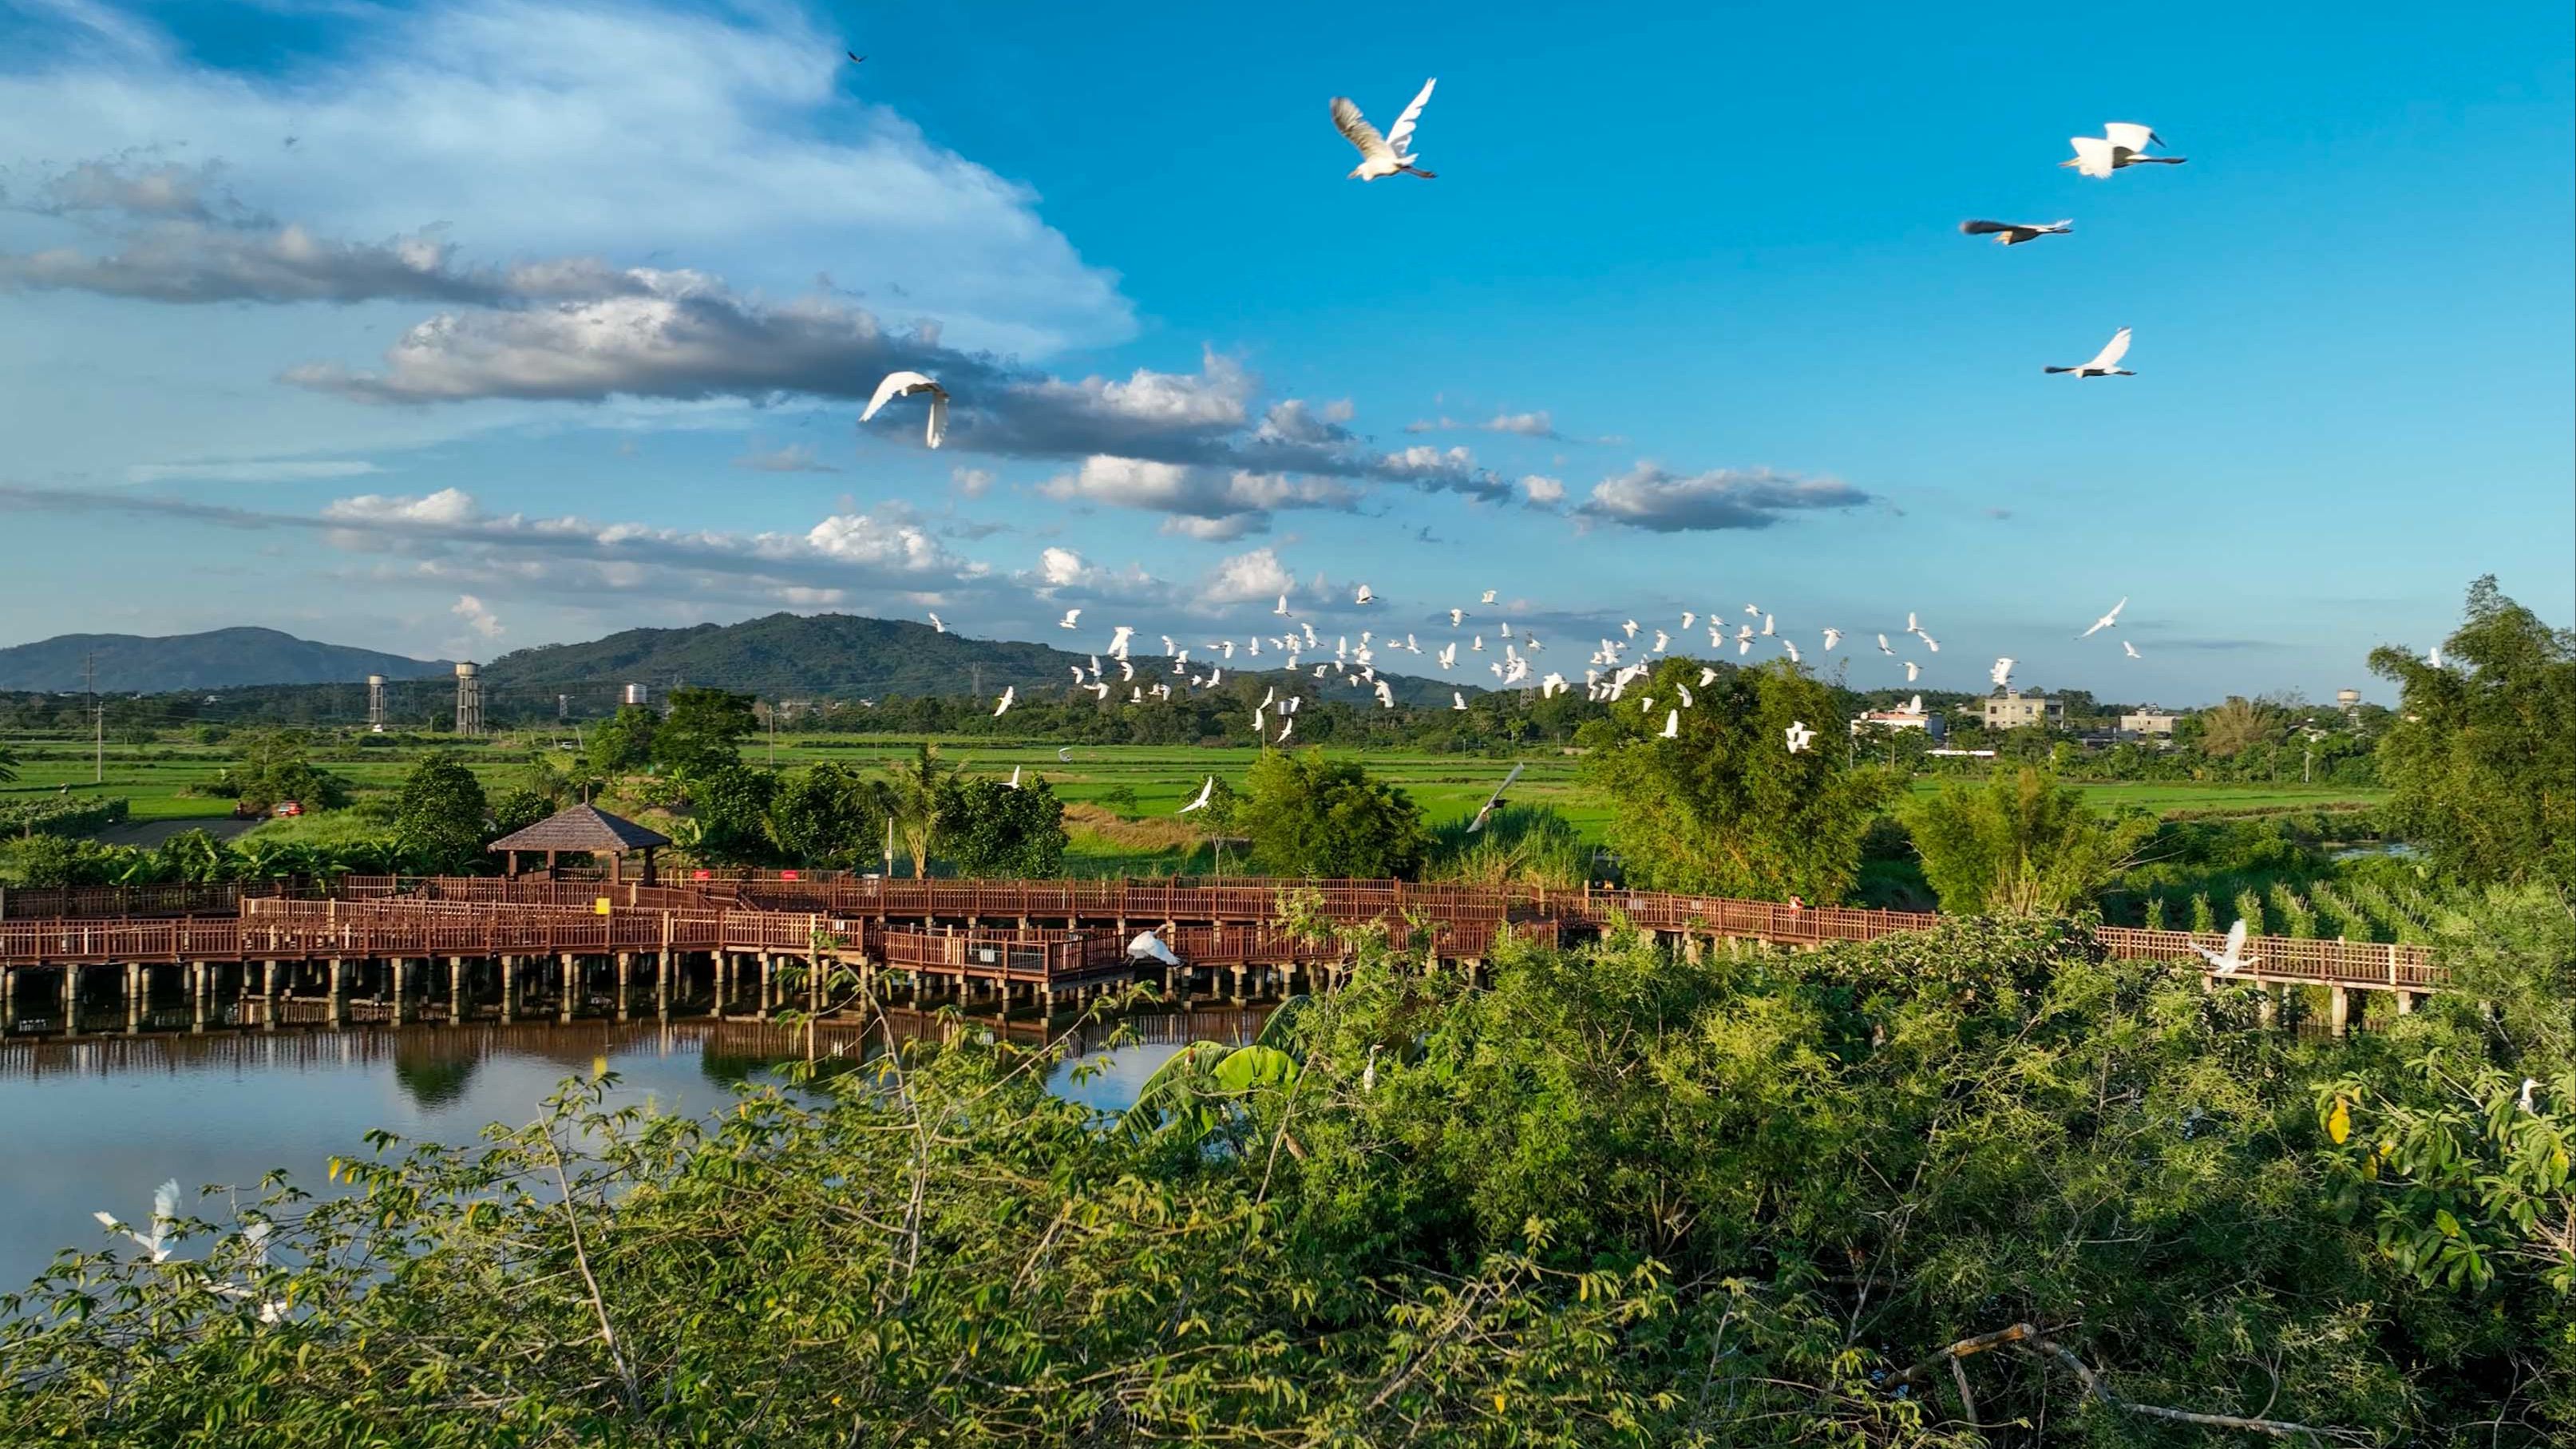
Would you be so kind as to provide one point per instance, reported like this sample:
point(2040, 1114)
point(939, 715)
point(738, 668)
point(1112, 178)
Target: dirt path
point(149, 833)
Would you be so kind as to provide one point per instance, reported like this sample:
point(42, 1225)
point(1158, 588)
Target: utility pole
point(773, 734)
point(97, 717)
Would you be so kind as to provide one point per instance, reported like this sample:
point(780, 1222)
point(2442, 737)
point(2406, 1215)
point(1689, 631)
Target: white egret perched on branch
point(905, 384)
point(2122, 143)
point(2014, 233)
point(1388, 154)
point(2105, 363)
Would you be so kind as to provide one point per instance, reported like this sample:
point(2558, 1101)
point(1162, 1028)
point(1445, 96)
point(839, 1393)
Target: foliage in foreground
point(1615, 1198)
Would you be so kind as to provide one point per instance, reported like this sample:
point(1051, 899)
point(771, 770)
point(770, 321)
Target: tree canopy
point(2021, 844)
point(2481, 759)
point(440, 815)
point(995, 829)
point(1725, 808)
point(703, 730)
point(1310, 815)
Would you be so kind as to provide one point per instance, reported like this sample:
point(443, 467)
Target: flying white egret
point(2110, 620)
point(2014, 233)
point(1009, 693)
point(1911, 625)
point(2433, 656)
point(1672, 724)
point(905, 384)
point(1883, 646)
point(1285, 726)
point(2122, 143)
point(937, 627)
point(165, 1220)
point(1064, 756)
point(1204, 792)
point(1631, 627)
point(1930, 643)
point(1148, 946)
point(1457, 700)
point(1067, 622)
point(1832, 638)
point(1118, 640)
point(1012, 783)
point(1913, 671)
point(1385, 695)
point(1488, 598)
point(2231, 960)
point(2129, 649)
point(1799, 735)
point(1792, 646)
point(2002, 671)
point(1457, 617)
point(2105, 363)
point(1281, 608)
point(1388, 154)
point(1364, 596)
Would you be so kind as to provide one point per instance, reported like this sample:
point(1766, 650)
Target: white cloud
point(1059, 567)
point(1652, 498)
point(1247, 577)
point(278, 470)
point(973, 482)
point(450, 507)
point(477, 618)
point(1205, 502)
point(793, 458)
point(1543, 491)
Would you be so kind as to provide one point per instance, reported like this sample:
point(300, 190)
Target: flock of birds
point(1616, 663)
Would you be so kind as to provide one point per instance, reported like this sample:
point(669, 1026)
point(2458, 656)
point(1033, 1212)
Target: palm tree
point(922, 790)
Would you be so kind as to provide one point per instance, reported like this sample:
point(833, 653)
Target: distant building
point(2013, 709)
point(1932, 725)
point(2349, 701)
point(2148, 722)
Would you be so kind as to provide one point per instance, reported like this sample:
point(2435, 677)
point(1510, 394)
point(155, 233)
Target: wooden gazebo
point(581, 830)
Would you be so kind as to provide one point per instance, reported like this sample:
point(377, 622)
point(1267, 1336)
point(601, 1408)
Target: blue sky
point(551, 320)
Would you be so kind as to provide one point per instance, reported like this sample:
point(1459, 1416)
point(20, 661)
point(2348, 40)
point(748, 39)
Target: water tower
point(635, 694)
point(2348, 700)
point(469, 700)
point(375, 704)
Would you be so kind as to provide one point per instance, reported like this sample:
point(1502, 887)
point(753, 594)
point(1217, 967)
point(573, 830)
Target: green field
point(1449, 787)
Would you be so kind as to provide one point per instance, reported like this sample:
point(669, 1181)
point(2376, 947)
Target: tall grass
point(1520, 845)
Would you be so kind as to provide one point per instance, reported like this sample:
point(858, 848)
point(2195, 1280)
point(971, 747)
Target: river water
point(95, 1124)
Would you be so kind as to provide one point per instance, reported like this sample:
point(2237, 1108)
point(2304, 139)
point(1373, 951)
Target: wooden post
point(455, 991)
point(197, 984)
point(2338, 1009)
point(509, 989)
point(268, 996)
point(135, 984)
point(568, 969)
point(765, 986)
point(624, 968)
point(339, 992)
point(400, 970)
point(662, 985)
point(2405, 1003)
point(71, 1000)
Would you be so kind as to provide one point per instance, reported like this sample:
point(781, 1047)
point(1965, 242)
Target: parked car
point(286, 808)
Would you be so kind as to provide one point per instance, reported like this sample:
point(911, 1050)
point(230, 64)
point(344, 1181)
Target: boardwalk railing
point(1234, 920)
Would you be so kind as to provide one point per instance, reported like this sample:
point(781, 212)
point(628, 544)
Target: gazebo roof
point(583, 828)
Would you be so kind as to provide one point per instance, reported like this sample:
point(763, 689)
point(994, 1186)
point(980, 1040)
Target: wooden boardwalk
point(262, 955)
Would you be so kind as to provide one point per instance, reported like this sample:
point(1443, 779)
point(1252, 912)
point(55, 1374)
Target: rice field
point(1132, 783)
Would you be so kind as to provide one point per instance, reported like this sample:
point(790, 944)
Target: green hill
point(818, 656)
point(217, 659)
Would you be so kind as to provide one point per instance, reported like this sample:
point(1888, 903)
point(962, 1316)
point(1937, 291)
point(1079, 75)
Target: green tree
point(704, 730)
point(625, 743)
point(730, 806)
point(829, 816)
point(439, 817)
point(2481, 759)
point(277, 766)
point(517, 808)
point(920, 793)
point(1724, 807)
point(994, 829)
point(2237, 725)
point(1309, 815)
point(8, 764)
point(2020, 844)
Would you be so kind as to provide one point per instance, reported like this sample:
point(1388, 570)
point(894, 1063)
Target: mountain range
point(780, 656)
point(216, 659)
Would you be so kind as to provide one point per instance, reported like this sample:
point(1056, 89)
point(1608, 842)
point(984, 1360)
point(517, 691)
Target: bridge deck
point(1012, 930)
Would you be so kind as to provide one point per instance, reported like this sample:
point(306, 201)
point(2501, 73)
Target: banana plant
point(1205, 1085)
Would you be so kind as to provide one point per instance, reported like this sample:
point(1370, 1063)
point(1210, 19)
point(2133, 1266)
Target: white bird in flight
point(2129, 649)
point(1799, 735)
point(1388, 154)
point(1067, 622)
point(1204, 792)
point(2002, 671)
point(1489, 597)
point(2233, 959)
point(1832, 638)
point(905, 384)
point(1012, 783)
point(165, 1219)
point(2105, 363)
point(937, 627)
point(2122, 143)
point(1364, 596)
point(2014, 233)
point(1672, 724)
point(1009, 693)
point(1913, 671)
point(2110, 620)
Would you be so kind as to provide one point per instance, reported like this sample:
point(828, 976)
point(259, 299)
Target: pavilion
point(581, 830)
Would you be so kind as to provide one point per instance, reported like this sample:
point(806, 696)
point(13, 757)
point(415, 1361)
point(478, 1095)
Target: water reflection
point(96, 1122)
